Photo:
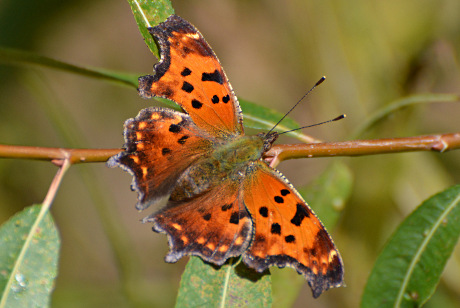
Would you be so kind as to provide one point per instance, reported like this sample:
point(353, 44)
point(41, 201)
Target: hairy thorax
point(229, 162)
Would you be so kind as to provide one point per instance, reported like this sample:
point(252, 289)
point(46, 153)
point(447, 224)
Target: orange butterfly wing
point(287, 232)
point(190, 74)
point(214, 225)
point(160, 144)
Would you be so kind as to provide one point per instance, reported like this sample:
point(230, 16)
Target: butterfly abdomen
point(195, 180)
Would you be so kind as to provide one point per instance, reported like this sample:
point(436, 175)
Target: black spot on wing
point(174, 128)
point(187, 87)
point(215, 76)
point(300, 214)
point(226, 207)
point(284, 192)
point(186, 72)
point(196, 104)
point(235, 219)
point(183, 139)
point(276, 229)
point(263, 211)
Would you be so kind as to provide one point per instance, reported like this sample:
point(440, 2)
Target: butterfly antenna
point(320, 81)
point(340, 117)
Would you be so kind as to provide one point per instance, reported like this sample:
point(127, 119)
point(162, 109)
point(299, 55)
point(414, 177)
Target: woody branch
point(438, 143)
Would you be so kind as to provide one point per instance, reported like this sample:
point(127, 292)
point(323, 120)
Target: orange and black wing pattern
point(190, 74)
point(287, 232)
point(160, 144)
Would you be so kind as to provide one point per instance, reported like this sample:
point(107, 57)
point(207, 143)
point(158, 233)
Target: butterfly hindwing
point(214, 225)
point(190, 74)
point(160, 144)
point(288, 233)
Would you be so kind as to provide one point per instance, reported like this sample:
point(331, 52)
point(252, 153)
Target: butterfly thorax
point(239, 152)
point(231, 161)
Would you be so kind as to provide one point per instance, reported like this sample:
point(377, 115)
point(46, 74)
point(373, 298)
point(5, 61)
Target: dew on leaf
point(19, 284)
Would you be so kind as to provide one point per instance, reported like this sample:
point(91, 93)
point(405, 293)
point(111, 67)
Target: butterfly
point(222, 199)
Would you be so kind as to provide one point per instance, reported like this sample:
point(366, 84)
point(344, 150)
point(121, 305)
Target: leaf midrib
point(226, 282)
point(421, 249)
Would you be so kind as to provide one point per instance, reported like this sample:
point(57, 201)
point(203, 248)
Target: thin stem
point(438, 143)
point(57, 154)
point(54, 186)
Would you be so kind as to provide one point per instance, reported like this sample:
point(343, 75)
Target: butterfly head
point(269, 139)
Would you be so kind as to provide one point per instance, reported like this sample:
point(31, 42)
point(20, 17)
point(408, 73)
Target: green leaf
point(327, 196)
point(409, 268)
point(231, 285)
point(10, 55)
point(148, 14)
point(28, 259)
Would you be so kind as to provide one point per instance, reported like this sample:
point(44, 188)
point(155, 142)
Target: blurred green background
point(372, 52)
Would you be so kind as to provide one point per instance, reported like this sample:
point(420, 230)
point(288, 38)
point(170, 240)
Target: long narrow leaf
point(28, 259)
point(10, 56)
point(409, 268)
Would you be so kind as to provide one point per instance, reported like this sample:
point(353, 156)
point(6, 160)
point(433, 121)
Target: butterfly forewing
point(287, 232)
point(190, 74)
point(160, 144)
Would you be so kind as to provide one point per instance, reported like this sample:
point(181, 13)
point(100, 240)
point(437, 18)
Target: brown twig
point(439, 143)
point(57, 154)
